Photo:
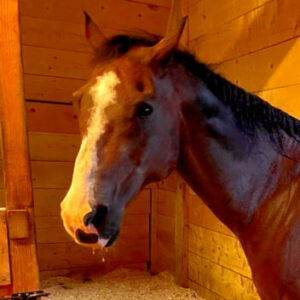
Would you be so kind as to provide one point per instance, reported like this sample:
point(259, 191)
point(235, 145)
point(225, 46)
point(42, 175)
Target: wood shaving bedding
point(121, 284)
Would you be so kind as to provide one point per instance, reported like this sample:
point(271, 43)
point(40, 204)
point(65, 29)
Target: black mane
point(249, 110)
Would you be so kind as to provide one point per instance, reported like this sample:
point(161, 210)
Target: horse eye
point(144, 110)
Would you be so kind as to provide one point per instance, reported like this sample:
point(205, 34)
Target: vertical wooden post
point(181, 235)
point(17, 177)
point(153, 232)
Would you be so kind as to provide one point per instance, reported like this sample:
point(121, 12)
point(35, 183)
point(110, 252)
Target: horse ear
point(92, 33)
point(162, 49)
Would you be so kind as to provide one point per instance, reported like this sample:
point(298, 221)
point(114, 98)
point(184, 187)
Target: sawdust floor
point(121, 284)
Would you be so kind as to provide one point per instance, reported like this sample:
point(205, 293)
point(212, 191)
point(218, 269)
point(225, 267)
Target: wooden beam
point(17, 176)
point(181, 235)
point(153, 232)
point(4, 254)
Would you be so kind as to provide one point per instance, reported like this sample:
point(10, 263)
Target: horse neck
point(235, 174)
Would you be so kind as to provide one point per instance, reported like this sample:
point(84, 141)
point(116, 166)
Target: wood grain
point(53, 146)
point(265, 69)
point(40, 118)
point(139, 16)
point(181, 235)
point(15, 146)
point(4, 252)
point(219, 280)
point(219, 248)
point(47, 88)
point(55, 62)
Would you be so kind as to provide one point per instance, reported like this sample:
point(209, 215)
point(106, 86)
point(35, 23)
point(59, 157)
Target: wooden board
point(181, 235)
point(4, 251)
point(47, 88)
point(139, 16)
point(54, 62)
point(269, 68)
point(54, 34)
point(166, 257)
point(220, 280)
point(286, 98)
point(165, 202)
point(205, 18)
point(40, 117)
point(51, 174)
point(201, 215)
point(218, 248)
point(15, 146)
point(2, 196)
point(53, 146)
point(264, 26)
point(166, 229)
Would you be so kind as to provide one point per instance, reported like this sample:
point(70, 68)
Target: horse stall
point(167, 229)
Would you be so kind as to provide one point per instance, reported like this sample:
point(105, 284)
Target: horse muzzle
point(98, 227)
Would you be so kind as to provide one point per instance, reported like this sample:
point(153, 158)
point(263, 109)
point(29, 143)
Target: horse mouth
point(94, 238)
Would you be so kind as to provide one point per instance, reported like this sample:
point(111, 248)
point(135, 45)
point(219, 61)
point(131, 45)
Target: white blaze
point(103, 94)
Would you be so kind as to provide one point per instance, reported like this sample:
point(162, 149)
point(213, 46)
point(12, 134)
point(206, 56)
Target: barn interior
point(253, 43)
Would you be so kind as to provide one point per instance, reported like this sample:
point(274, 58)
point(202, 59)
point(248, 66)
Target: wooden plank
point(220, 280)
point(166, 229)
point(206, 19)
point(181, 236)
point(55, 62)
point(53, 34)
point(47, 88)
point(70, 11)
point(286, 98)
point(53, 146)
point(266, 69)
point(163, 3)
point(15, 146)
point(40, 117)
point(153, 232)
point(18, 224)
point(201, 215)
point(166, 202)
point(62, 35)
point(139, 16)
point(2, 196)
point(6, 290)
point(218, 248)
point(270, 24)
point(65, 255)
point(122, 253)
point(51, 174)
point(204, 292)
point(47, 202)
point(4, 251)
point(166, 254)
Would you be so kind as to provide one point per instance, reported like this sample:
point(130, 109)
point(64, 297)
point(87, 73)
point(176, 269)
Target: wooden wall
point(163, 224)
point(56, 62)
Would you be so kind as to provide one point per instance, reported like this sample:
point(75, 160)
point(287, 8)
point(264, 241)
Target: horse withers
point(148, 109)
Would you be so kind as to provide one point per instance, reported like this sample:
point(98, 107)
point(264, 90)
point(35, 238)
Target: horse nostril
point(97, 216)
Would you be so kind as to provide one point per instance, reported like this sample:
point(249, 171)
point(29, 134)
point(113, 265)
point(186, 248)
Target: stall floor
point(121, 284)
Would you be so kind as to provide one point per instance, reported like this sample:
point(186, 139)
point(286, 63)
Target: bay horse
point(149, 108)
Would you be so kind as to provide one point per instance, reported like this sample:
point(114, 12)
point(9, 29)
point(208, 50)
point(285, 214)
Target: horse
point(150, 108)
